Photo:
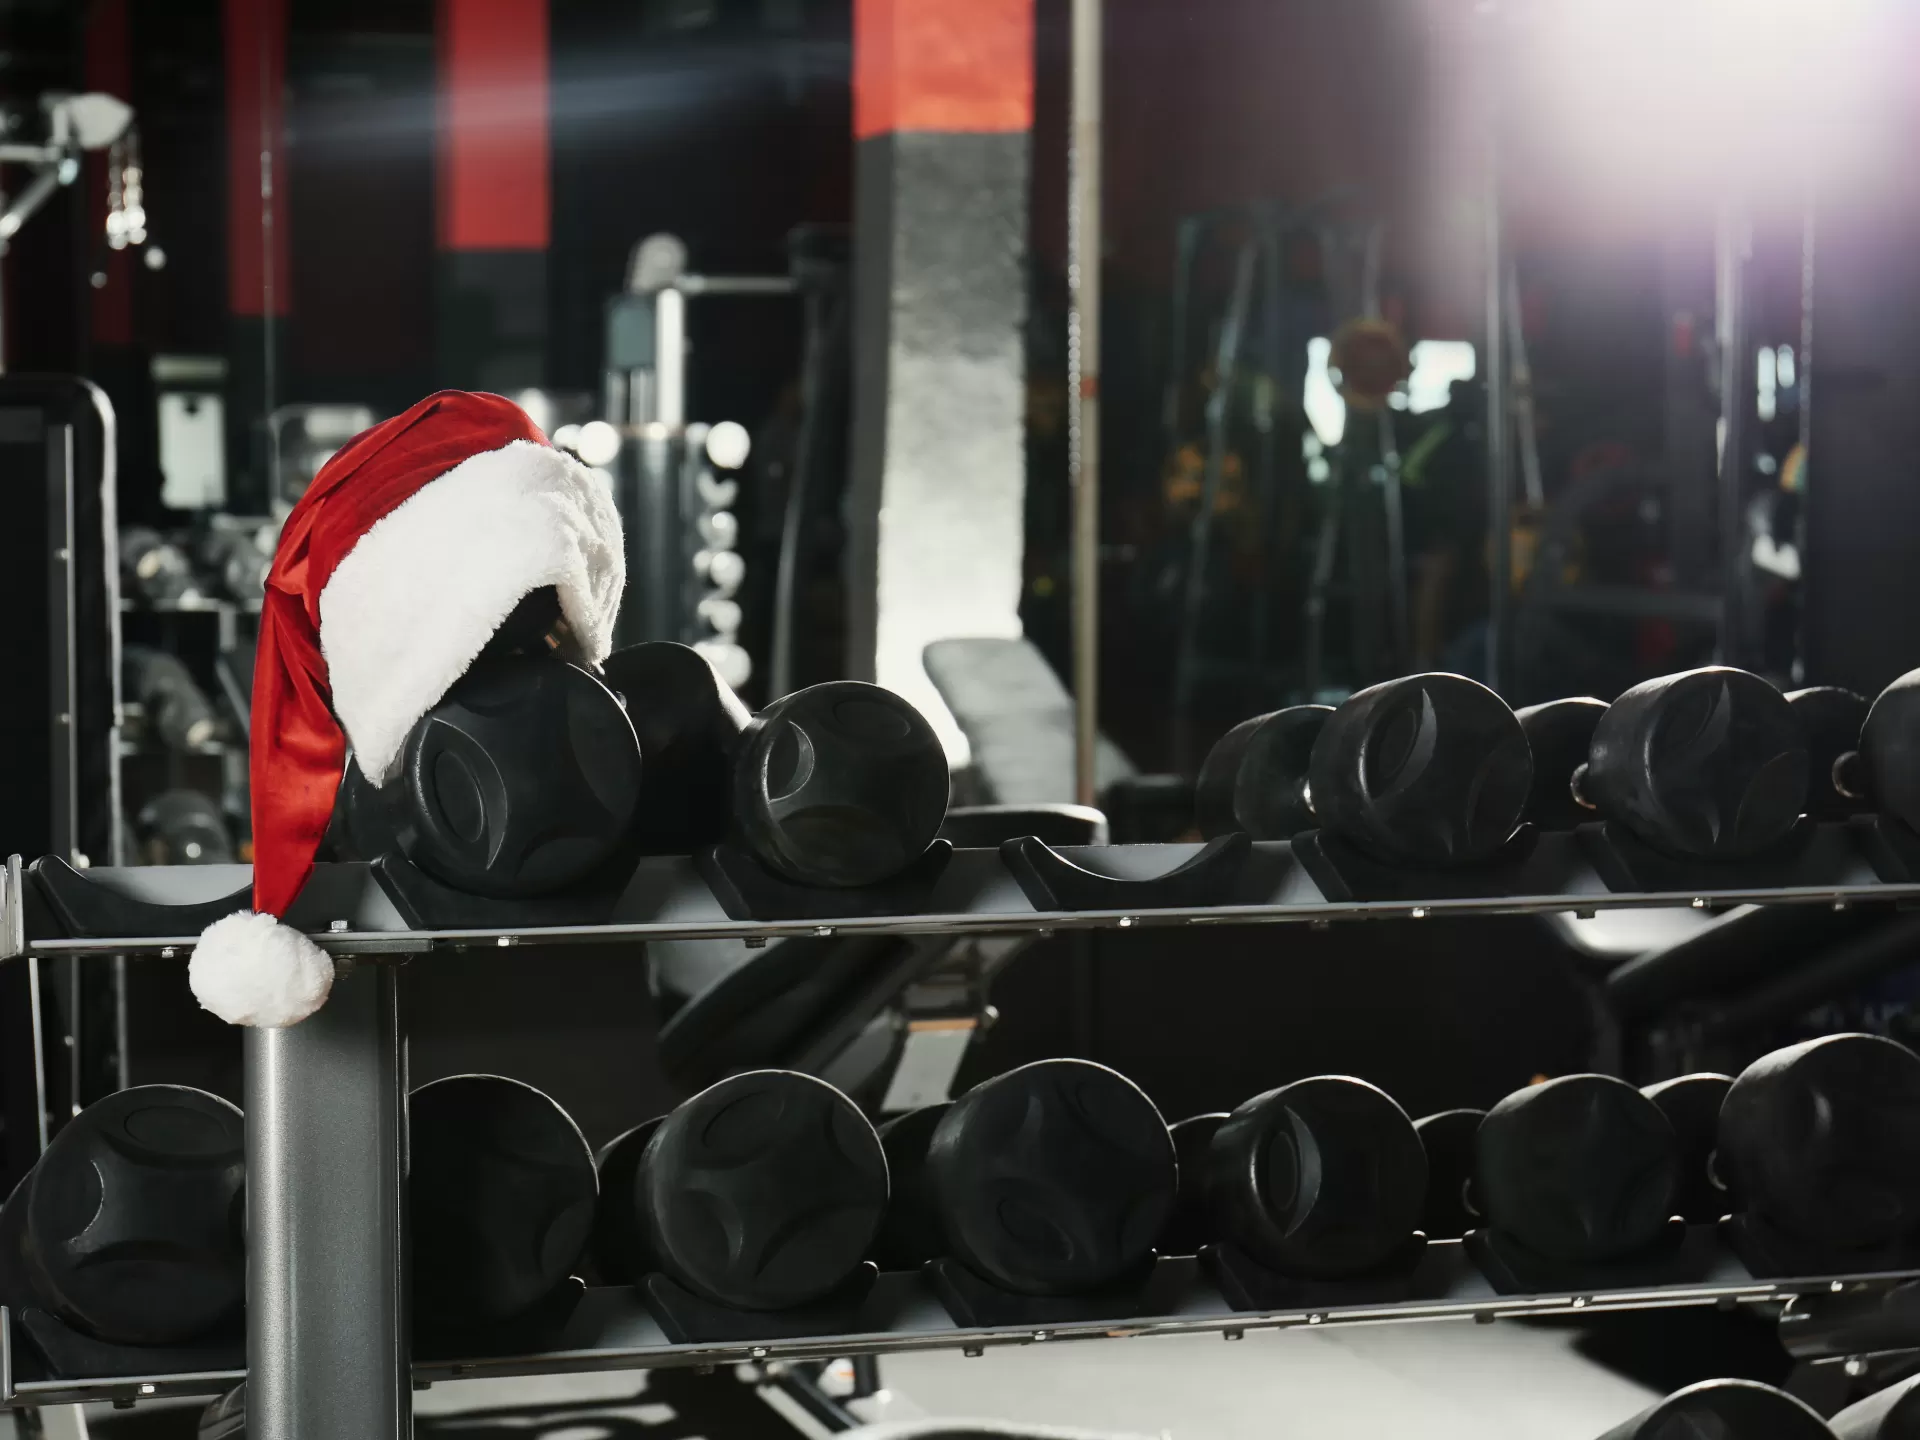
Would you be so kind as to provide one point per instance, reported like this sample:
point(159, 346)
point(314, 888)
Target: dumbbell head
point(1691, 1104)
point(1580, 1168)
point(841, 784)
point(910, 1235)
point(1323, 1177)
point(1890, 1414)
point(762, 1192)
point(687, 719)
point(1052, 1179)
point(130, 1224)
point(519, 782)
point(1830, 721)
point(1428, 770)
point(1255, 778)
point(1448, 1139)
point(501, 1192)
point(1888, 766)
point(1559, 734)
point(619, 1241)
point(1724, 1410)
point(1190, 1226)
point(1708, 764)
point(1822, 1141)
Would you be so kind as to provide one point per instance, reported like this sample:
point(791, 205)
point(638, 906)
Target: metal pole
point(670, 358)
point(1499, 426)
point(1733, 246)
point(327, 1339)
point(1083, 386)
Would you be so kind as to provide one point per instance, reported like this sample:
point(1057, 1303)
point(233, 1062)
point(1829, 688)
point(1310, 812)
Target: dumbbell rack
point(328, 1350)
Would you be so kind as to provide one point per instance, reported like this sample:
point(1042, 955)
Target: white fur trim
point(251, 970)
point(422, 592)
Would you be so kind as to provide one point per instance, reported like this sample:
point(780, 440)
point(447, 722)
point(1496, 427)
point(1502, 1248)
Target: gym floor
point(1440, 1381)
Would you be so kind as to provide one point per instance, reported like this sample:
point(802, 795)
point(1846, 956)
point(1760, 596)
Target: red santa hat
point(409, 548)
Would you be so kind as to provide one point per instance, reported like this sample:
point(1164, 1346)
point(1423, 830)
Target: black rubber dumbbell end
point(1724, 1410)
point(763, 1192)
point(502, 1192)
point(1822, 1141)
point(1324, 1178)
point(1425, 770)
point(1053, 1179)
point(1582, 1168)
point(1255, 778)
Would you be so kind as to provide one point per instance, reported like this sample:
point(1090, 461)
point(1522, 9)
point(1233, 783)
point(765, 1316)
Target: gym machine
point(676, 482)
point(64, 1026)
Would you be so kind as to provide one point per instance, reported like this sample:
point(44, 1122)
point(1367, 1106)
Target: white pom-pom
point(251, 970)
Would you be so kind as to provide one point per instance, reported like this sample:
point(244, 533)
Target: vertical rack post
point(1083, 386)
point(1499, 424)
point(327, 1343)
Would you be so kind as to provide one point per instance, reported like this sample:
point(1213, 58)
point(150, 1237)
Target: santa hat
point(409, 548)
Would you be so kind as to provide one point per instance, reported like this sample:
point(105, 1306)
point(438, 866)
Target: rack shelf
point(611, 1330)
point(347, 911)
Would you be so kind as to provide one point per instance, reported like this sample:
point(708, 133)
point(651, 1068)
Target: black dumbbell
point(1691, 1104)
point(521, 781)
point(1322, 1178)
point(1892, 1414)
point(1830, 721)
point(1255, 777)
point(183, 827)
point(910, 1235)
point(501, 1193)
point(1821, 1141)
point(1885, 770)
point(763, 1192)
point(841, 784)
point(1724, 1410)
point(1426, 770)
point(129, 1226)
point(1190, 1226)
point(1580, 1169)
point(619, 1244)
point(1052, 1179)
point(1559, 734)
point(1448, 1139)
point(688, 719)
point(1708, 764)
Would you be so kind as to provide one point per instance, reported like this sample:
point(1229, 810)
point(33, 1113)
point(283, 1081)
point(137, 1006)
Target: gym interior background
point(1096, 378)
